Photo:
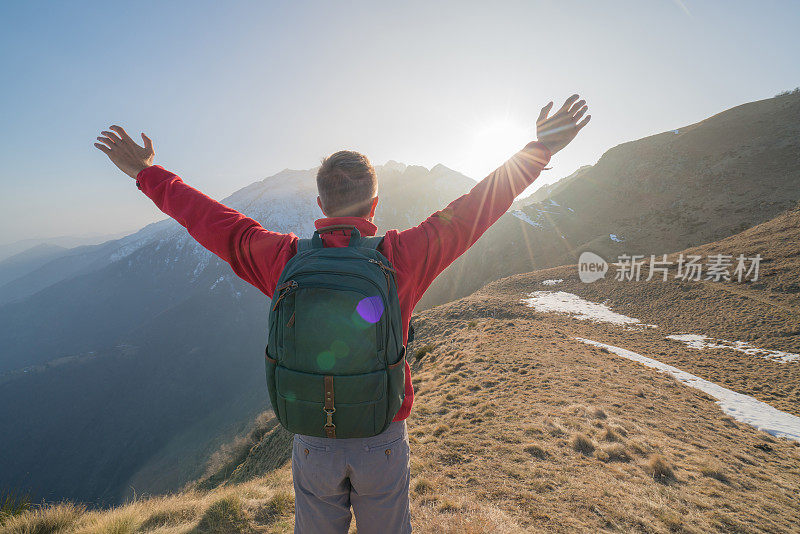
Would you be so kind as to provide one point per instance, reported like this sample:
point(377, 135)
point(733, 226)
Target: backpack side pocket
point(270, 365)
point(396, 386)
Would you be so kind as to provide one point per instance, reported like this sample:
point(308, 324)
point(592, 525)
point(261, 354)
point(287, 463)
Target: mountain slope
point(656, 195)
point(520, 425)
point(749, 315)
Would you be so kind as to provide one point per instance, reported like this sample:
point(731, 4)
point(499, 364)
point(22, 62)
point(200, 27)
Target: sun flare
point(493, 143)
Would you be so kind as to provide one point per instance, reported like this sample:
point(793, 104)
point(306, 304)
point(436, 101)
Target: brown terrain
point(765, 313)
point(520, 427)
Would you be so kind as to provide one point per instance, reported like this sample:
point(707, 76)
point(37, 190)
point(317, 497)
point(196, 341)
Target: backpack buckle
point(329, 413)
point(330, 428)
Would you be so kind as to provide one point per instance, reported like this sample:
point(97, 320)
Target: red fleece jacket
point(418, 254)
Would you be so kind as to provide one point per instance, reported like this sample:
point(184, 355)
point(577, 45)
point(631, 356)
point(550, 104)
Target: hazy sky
point(232, 92)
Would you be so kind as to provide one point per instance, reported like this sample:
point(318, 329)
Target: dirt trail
point(753, 294)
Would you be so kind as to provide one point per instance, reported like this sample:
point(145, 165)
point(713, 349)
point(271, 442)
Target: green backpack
point(335, 355)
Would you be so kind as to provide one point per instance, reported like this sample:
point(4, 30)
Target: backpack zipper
point(357, 275)
point(290, 284)
point(381, 265)
point(386, 270)
point(285, 285)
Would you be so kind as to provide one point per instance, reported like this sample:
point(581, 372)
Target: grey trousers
point(370, 474)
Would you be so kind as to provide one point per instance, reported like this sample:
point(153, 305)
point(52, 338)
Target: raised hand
point(558, 131)
point(123, 152)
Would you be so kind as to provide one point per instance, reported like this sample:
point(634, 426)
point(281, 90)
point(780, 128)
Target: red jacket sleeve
point(426, 250)
point(255, 254)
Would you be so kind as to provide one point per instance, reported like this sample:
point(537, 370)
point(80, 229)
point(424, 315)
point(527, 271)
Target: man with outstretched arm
point(371, 474)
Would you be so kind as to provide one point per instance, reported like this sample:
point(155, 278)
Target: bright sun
point(493, 143)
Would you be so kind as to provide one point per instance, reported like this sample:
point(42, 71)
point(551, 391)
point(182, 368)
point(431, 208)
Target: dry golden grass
point(262, 505)
point(660, 469)
point(765, 314)
point(564, 437)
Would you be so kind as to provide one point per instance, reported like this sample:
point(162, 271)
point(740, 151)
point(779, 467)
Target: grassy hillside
point(765, 314)
point(681, 188)
point(519, 426)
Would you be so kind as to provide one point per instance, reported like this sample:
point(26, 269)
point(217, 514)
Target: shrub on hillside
point(423, 350)
point(660, 469)
point(794, 91)
point(60, 517)
point(536, 451)
point(225, 515)
point(12, 503)
point(617, 453)
point(280, 504)
point(423, 486)
point(583, 444)
point(713, 470)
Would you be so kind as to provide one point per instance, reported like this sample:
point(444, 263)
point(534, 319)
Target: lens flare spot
point(359, 321)
point(326, 360)
point(340, 349)
point(290, 396)
point(370, 309)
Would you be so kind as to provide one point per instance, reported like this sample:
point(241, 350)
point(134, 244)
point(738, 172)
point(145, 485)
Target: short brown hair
point(347, 183)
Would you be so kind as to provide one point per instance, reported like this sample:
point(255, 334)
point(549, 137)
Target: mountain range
point(125, 364)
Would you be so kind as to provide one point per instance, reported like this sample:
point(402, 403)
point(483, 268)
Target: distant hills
point(66, 241)
point(28, 260)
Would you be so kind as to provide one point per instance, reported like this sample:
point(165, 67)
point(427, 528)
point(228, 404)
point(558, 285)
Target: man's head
point(347, 185)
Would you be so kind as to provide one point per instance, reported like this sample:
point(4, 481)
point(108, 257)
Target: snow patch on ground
point(700, 342)
point(563, 302)
point(741, 407)
point(552, 282)
point(615, 237)
point(521, 215)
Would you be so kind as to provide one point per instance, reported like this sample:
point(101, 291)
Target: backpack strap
point(371, 242)
point(355, 235)
point(355, 238)
point(303, 245)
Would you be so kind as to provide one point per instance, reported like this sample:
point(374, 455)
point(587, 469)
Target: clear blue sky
point(232, 92)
